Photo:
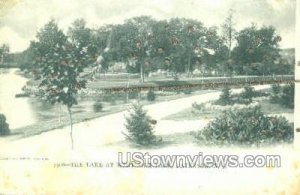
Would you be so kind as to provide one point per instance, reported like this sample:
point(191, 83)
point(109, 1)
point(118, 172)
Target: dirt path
point(41, 177)
point(108, 129)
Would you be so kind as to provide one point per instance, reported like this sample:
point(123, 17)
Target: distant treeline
point(177, 45)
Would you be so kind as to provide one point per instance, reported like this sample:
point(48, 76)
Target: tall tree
point(81, 36)
point(188, 40)
point(162, 45)
point(257, 50)
point(229, 31)
point(4, 53)
point(140, 44)
point(214, 50)
point(25, 58)
point(61, 61)
point(228, 34)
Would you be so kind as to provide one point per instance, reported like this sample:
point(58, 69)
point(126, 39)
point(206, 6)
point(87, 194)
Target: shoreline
point(51, 125)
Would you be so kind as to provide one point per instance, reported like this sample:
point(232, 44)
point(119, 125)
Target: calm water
point(25, 111)
point(18, 111)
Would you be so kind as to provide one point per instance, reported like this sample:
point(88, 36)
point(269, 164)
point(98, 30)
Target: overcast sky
point(20, 19)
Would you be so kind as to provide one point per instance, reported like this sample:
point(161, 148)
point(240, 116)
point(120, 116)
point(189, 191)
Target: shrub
point(139, 127)
point(248, 94)
point(287, 96)
point(275, 93)
point(276, 89)
point(283, 95)
point(133, 95)
point(246, 126)
point(98, 107)
point(261, 93)
point(175, 77)
point(151, 95)
point(187, 91)
point(225, 97)
point(4, 127)
point(198, 107)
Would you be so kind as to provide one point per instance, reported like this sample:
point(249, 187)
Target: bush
point(139, 126)
point(225, 97)
point(248, 94)
point(187, 91)
point(287, 97)
point(275, 93)
point(133, 95)
point(98, 107)
point(276, 89)
point(151, 96)
point(283, 95)
point(199, 108)
point(246, 126)
point(4, 127)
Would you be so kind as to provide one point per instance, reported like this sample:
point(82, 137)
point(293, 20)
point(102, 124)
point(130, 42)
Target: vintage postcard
point(149, 97)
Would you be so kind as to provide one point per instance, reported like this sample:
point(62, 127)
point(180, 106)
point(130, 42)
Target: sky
point(21, 19)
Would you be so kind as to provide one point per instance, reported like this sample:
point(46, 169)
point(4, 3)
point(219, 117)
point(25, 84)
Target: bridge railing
point(203, 83)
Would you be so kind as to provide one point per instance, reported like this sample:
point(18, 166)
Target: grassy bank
point(83, 114)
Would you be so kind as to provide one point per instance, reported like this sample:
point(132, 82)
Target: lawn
point(190, 114)
point(51, 117)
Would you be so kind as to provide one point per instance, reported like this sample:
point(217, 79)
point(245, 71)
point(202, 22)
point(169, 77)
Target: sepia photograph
point(149, 97)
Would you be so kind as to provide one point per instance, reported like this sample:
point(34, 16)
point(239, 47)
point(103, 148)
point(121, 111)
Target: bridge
point(195, 83)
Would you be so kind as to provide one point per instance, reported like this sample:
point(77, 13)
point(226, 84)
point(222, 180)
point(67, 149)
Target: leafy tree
point(145, 45)
point(215, 50)
point(194, 41)
point(162, 45)
point(188, 44)
point(140, 42)
point(61, 61)
point(256, 51)
point(82, 37)
point(4, 53)
point(101, 37)
point(25, 59)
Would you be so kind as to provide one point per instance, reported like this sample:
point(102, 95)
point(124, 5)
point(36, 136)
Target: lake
point(18, 111)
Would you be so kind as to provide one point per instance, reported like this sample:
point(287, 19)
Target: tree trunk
point(189, 64)
point(230, 41)
point(127, 93)
point(59, 116)
point(71, 125)
point(142, 73)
